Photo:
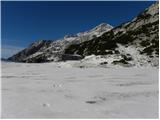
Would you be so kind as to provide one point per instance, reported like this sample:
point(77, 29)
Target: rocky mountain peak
point(103, 27)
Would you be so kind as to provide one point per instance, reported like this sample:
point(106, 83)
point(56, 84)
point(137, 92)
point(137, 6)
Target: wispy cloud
point(9, 50)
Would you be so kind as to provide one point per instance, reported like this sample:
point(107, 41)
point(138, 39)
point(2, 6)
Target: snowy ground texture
point(52, 91)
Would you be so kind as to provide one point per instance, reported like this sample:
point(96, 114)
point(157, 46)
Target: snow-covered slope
point(47, 50)
point(135, 43)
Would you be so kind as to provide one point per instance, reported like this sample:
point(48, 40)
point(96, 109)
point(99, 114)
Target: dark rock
point(103, 63)
point(71, 57)
point(122, 61)
point(91, 102)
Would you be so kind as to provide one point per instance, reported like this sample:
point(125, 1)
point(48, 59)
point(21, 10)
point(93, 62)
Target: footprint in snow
point(57, 85)
point(46, 105)
point(97, 100)
point(91, 102)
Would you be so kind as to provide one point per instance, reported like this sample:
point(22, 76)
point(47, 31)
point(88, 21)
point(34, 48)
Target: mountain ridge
point(129, 44)
point(48, 50)
point(140, 35)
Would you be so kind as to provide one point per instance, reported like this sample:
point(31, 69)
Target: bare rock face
point(32, 49)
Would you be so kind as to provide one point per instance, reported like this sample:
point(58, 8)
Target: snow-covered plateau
point(60, 90)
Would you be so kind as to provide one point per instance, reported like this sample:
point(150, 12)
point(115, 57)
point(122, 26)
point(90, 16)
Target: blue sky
point(25, 22)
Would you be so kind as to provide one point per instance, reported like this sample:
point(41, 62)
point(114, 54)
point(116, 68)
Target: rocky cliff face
point(132, 43)
point(48, 50)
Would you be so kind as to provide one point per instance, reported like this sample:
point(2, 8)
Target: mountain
point(134, 43)
point(50, 50)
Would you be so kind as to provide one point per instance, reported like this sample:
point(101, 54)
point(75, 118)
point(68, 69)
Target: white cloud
point(9, 50)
